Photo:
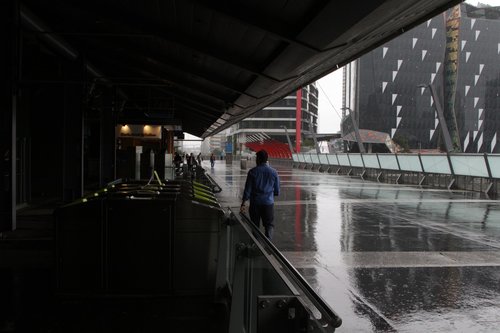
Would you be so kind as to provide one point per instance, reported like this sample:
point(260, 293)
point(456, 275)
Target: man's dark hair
point(261, 157)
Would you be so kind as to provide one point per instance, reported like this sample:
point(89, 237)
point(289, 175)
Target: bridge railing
point(475, 165)
point(267, 293)
point(483, 166)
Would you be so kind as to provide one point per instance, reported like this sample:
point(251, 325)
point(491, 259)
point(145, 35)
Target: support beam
point(442, 122)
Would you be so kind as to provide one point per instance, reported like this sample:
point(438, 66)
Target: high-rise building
point(458, 53)
point(271, 121)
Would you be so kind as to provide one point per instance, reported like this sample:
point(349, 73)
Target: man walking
point(261, 186)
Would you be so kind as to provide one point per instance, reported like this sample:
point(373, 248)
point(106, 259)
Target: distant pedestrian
point(191, 162)
point(212, 160)
point(261, 186)
point(177, 161)
point(199, 159)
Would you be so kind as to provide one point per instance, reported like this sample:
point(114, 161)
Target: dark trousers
point(264, 213)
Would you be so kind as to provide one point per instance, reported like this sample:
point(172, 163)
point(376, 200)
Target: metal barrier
point(485, 166)
point(267, 293)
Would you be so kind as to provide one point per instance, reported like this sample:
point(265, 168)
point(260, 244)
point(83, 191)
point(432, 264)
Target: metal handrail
point(329, 316)
point(215, 187)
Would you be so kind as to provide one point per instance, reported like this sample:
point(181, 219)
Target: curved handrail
point(329, 316)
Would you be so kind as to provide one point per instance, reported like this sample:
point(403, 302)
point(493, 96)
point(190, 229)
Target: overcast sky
point(330, 102)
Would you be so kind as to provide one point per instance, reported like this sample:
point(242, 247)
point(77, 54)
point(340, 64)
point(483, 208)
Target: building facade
point(271, 121)
point(458, 53)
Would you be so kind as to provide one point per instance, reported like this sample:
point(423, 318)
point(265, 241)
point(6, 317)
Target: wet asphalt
point(387, 258)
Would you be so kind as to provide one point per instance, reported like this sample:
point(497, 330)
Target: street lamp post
point(440, 113)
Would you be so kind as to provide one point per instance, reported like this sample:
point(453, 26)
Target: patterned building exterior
point(270, 120)
point(458, 52)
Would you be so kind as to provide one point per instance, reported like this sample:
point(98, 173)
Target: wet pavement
point(387, 258)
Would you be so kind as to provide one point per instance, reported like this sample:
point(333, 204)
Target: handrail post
point(397, 161)
point(488, 168)
point(450, 165)
point(421, 164)
point(378, 161)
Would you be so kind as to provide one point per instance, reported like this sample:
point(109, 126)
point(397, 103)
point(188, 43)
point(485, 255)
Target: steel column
point(298, 120)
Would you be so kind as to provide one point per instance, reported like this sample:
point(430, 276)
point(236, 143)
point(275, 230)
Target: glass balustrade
point(356, 160)
point(388, 161)
point(494, 163)
point(409, 162)
point(469, 165)
point(436, 164)
point(474, 165)
point(371, 161)
point(343, 160)
point(323, 159)
point(332, 159)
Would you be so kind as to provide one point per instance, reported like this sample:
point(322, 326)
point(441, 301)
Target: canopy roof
point(208, 64)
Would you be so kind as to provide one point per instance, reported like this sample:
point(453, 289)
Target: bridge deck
point(387, 257)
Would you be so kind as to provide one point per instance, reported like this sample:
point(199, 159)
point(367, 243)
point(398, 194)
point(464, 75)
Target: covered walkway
point(387, 257)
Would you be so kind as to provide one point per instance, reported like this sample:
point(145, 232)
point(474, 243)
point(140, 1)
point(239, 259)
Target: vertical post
point(298, 120)
point(488, 168)
point(9, 62)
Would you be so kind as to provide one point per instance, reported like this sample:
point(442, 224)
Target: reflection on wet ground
point(388, 258)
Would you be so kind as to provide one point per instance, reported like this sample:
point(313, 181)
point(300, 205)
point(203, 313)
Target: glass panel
point(436, 164)
point(264, 274)
point(356, 160)
point(371, 161)
point(494, 162)
point(323, 159)
point(343, 160)
point(295, 157)
point(469, 165)
point(248, 273)
point(315, 158)
point(388, 161)
point(308, 158)
point(301, 158)
point(409, 163)
point(332, 159)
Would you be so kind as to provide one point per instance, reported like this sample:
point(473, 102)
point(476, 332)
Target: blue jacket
point(262, 185)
